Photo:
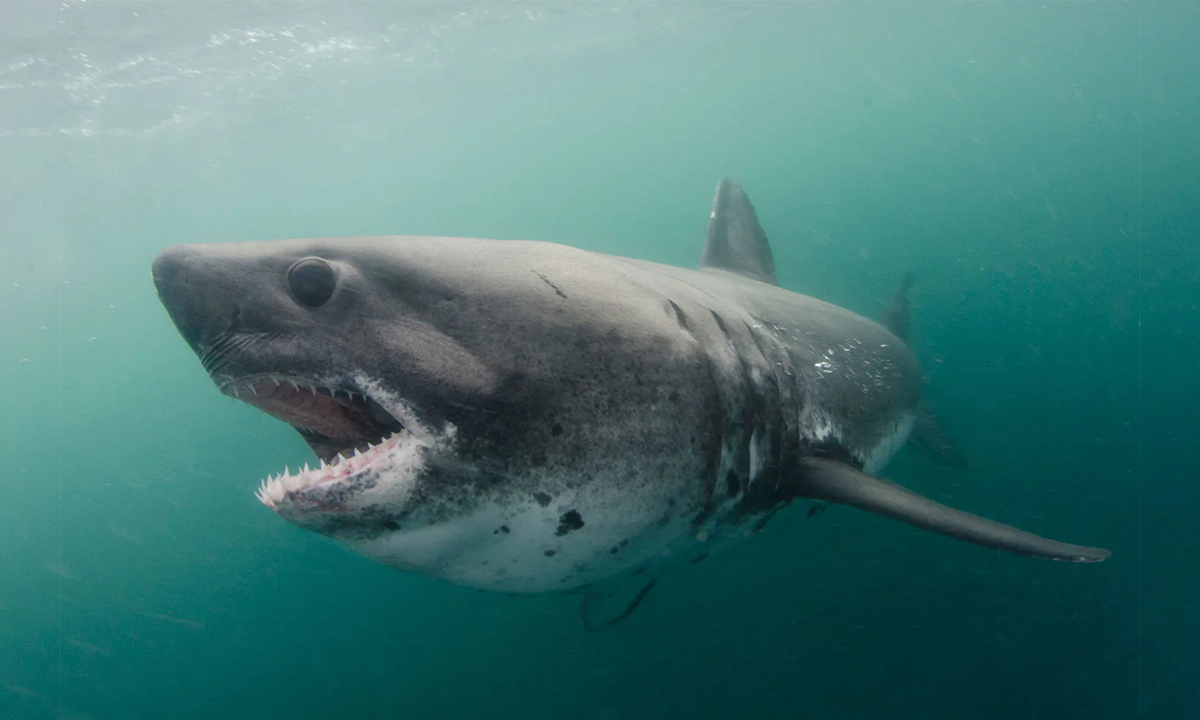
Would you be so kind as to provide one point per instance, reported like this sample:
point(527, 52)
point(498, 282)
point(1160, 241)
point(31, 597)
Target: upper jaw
point(248, 387)
point(335, 417)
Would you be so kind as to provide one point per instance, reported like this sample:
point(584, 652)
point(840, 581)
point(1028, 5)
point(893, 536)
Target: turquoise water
point(1033, 163)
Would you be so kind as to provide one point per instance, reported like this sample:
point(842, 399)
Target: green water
point(1033, 163)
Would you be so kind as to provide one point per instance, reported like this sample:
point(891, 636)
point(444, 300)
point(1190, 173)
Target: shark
point(528, 417)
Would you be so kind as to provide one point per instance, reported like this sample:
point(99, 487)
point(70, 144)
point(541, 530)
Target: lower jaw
point(286, 486)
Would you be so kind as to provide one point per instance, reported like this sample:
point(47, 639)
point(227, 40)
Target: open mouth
point(345, 427)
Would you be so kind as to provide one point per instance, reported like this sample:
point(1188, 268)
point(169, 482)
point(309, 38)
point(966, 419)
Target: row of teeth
point(250, 387)
point(276, 488)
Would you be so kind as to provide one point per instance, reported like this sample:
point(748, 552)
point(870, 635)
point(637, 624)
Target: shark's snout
point(194, 297)
point(167, 266)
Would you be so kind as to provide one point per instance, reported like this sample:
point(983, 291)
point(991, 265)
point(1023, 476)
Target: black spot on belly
point(699, 558)
point(556, 430)
point(640, 570)
point(732, 485)
point(549, 553)
point(501, 529)
point(391, 525)
point(624, 543)
point(614, 550)
point(570, 520)
point(542, 498)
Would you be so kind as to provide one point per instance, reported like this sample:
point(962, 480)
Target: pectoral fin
point(824, 479)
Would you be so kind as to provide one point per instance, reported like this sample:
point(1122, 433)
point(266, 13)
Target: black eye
point(312, 281)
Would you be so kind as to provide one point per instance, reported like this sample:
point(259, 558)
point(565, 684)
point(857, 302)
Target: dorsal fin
point(896, 317)
point(736, 242)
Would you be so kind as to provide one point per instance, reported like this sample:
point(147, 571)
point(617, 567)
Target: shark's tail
point(928, 434)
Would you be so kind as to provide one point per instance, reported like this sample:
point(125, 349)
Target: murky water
point(1031, 162)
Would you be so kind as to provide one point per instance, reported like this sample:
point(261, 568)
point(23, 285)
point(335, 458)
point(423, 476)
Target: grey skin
point(537, 418)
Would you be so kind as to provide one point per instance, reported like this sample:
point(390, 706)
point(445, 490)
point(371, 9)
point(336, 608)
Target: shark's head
point(437, 379)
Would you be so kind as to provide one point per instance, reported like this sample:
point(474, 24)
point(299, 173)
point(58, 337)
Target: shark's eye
point(312, 281)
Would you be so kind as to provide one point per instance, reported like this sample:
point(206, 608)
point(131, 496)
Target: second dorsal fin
point(736, 242)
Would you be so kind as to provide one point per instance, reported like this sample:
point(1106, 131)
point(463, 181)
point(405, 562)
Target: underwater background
point(1034, 163)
